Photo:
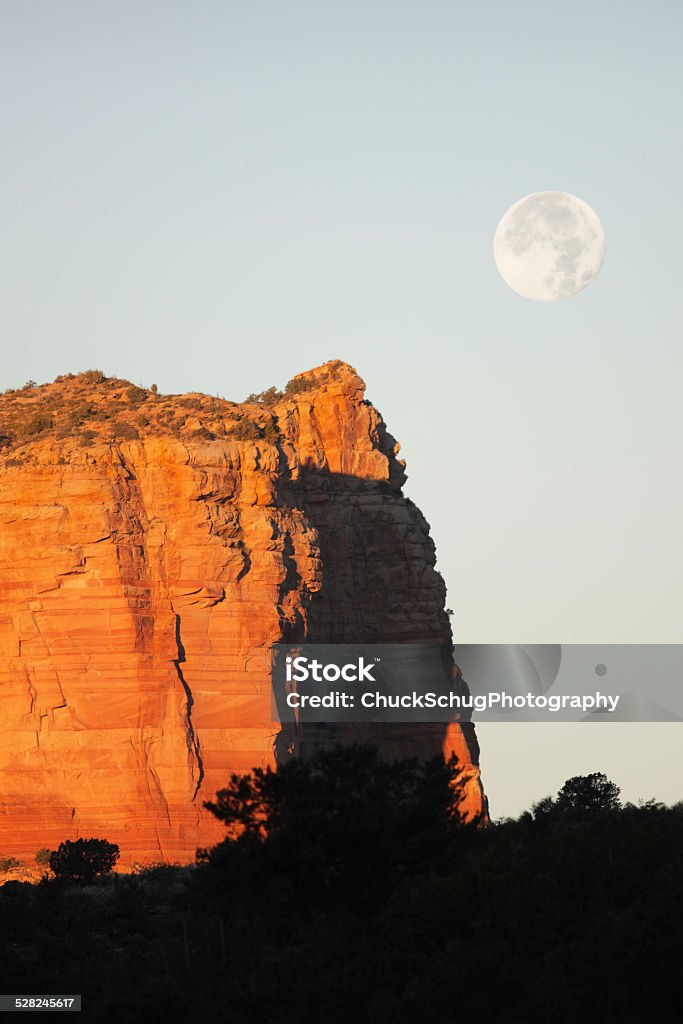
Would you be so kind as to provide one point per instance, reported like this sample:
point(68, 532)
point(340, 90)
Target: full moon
point(549, 246)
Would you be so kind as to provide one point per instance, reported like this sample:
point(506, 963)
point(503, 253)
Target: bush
point(9, 862)
point(42, 856)
point(298, 385)
point(134, 395)
point(125, 431)
point(268, 397)
point(81, 413)
point(245, 430)
point(83, 859)
point(94, 377)
point(38, 423)
point(271, 434)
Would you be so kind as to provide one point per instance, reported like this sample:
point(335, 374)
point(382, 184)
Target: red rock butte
point(152, 549)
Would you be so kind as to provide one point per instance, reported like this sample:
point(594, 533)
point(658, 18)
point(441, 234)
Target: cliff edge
point(152, 549)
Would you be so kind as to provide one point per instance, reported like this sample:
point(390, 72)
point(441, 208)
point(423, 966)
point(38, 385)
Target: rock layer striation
point(152, 549)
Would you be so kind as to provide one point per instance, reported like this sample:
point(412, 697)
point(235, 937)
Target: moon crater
point(549, 246)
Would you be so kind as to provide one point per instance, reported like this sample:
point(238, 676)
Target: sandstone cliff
point(152, 548)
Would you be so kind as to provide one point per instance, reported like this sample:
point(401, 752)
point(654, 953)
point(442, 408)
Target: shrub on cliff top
point(296, 386)
point(268, 397)
point(135, 396)
point(94, 377)
point(82, 860)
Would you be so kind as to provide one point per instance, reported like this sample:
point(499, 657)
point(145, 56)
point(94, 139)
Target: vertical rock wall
point(142, 583)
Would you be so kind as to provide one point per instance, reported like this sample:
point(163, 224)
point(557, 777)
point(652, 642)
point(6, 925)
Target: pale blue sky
point(214, 196)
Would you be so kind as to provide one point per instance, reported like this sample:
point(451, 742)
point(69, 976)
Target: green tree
point(268, 397)
point(343, 823)
point(83, 859)
point(587, 793)
point(42, 856)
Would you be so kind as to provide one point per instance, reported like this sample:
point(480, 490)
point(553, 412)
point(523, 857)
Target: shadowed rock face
point(151, 550)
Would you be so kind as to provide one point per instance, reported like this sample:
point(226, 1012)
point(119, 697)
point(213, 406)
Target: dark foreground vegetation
point(348, 891)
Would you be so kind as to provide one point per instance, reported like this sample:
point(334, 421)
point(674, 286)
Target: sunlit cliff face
point(152, 549)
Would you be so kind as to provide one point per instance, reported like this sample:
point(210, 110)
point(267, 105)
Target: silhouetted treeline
point(349, 891)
